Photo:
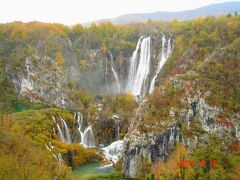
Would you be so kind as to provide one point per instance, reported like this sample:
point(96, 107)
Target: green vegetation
point(122, 105)
point(24, 157)
point(214, 160)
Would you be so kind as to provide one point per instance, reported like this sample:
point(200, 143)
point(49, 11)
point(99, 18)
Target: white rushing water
point(163, 59)
point(68, 139)
point(60, 134)
point(114, 151)
point(139, 82)
point(115, 74)
point(86, 137)
point(133, 66)
point(139, 68)
point(117, 129)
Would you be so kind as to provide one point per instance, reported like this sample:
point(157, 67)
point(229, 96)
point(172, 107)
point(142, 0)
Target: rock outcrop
point(42, 80)
point(140, 148)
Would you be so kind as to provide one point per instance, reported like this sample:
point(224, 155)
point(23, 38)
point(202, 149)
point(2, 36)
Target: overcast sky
point(71, 12)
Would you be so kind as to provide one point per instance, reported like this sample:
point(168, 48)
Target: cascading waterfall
point(114, 72)
point(60, 134)
point(133, 66)
point(105, 76)
point(79, 118)
point(139, 68)
point(63, 131)
point(117, 80)
point(113, 151)
point(87, 137)
point(68, 139)
point(164, 56)
point(117, 129)
point(140, 64)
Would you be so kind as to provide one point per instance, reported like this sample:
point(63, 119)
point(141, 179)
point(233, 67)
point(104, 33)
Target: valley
point(120, 101)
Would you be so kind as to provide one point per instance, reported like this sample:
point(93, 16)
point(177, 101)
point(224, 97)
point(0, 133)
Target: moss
point(76, 155)
point(118, 165)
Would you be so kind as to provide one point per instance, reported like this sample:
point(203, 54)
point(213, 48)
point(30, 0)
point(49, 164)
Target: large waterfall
point(139, 68)
point(139, 81)
point(133, 66)
point(164, 56)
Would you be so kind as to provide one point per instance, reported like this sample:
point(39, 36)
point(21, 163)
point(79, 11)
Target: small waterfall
point(113, 151)
point(87, 138)
point(63, 131)
point(117, 129)
point(105, 76)
point(60, 134)
point(114, 72)
point(139, 71)
point(66, 132)
point(116, 77)
point(54, 120)
point(164, 56)
point(79, 118)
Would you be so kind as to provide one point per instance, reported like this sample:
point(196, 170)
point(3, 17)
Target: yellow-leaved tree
point(59, 58)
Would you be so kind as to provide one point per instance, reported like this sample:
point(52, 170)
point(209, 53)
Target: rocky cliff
point(42, 80)
point(191, 122)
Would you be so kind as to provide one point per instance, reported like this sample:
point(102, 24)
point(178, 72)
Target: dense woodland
point(25, 127)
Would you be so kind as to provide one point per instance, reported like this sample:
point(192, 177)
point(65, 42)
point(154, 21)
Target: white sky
point(71, 12)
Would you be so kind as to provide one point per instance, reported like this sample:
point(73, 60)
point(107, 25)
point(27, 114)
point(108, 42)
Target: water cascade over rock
point(63, 131)
point(139, 68)
point(166, 52)
point(114, 85)
point(114, 151)
point(143, 72)
point(86, 137)
point(133, 66)
point(67, 136)
point(118, 85)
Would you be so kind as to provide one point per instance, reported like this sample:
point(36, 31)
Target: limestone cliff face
point(71, 63)
point(42, 80)
point(139, 147)
point(101, 73)
point(155, 146)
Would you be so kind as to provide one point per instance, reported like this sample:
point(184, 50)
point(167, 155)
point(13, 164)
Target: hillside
point(209, 10)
